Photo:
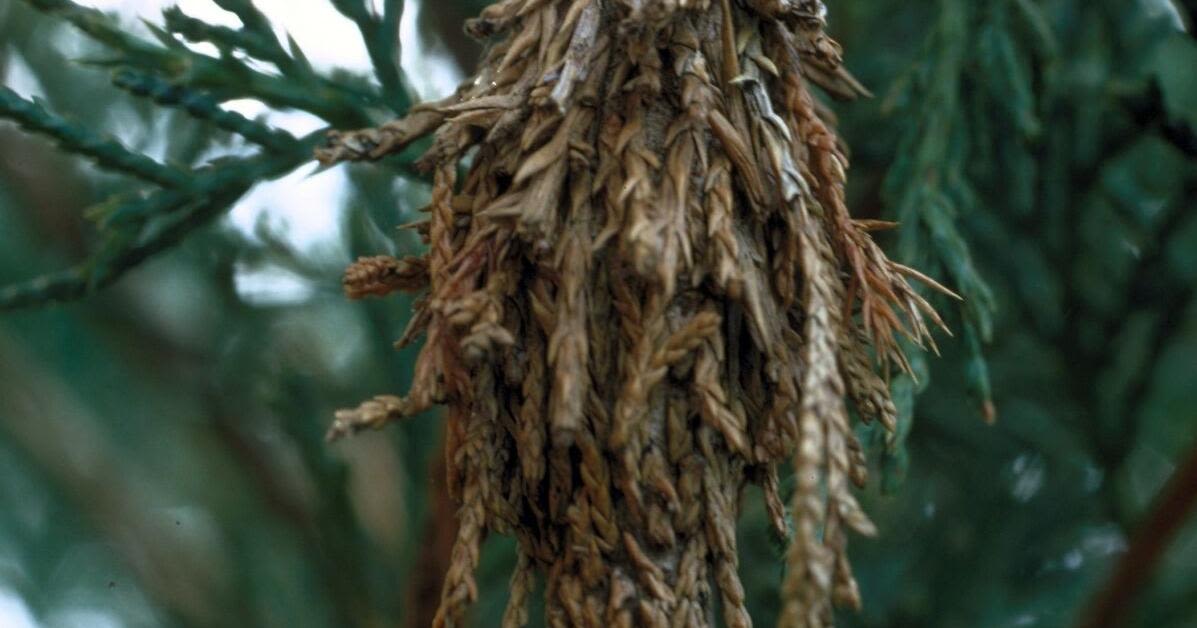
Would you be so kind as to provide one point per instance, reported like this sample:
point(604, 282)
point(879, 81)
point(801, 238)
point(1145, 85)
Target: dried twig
point(1172, 508)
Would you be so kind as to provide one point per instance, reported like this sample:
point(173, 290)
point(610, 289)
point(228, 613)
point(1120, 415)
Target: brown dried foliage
point(646, 292)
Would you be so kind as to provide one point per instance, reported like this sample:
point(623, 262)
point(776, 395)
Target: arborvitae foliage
point(162, 440)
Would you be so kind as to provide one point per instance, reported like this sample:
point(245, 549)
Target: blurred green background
point(161, 429)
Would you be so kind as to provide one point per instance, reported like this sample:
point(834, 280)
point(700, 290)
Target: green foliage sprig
point(74, 138)
point(202, 107)
point(135, 225)
point(135, 228)
point(929, 187)
point(380, 34)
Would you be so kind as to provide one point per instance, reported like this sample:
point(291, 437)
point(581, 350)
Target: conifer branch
point(256, 44)
point(132, 227)
point(255, 24)
point(226, 78)
point(380, 34)
point(137, 229)
point(263, 46)
point(202, 107)
point(927, 185)
point(73, 138)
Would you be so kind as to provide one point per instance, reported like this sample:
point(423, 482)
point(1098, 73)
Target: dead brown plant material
point(645, 292)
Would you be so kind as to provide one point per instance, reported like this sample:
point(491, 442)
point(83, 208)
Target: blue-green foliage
point(1041, 159)
point(161, 453)
point(135, 225)
point(162, 442)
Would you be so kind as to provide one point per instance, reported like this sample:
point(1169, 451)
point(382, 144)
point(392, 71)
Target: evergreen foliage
point(161, 451)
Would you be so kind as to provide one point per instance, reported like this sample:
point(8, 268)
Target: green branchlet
point(134, 226)
point(203, 107)
point(133, 230)
point(226, 78)
point(927, 186)
point(73, 138)
point(380, 36)
point(253, 43)
point(264, 46)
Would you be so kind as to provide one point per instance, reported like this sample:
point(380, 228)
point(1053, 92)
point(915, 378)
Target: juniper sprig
point(135, 225)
